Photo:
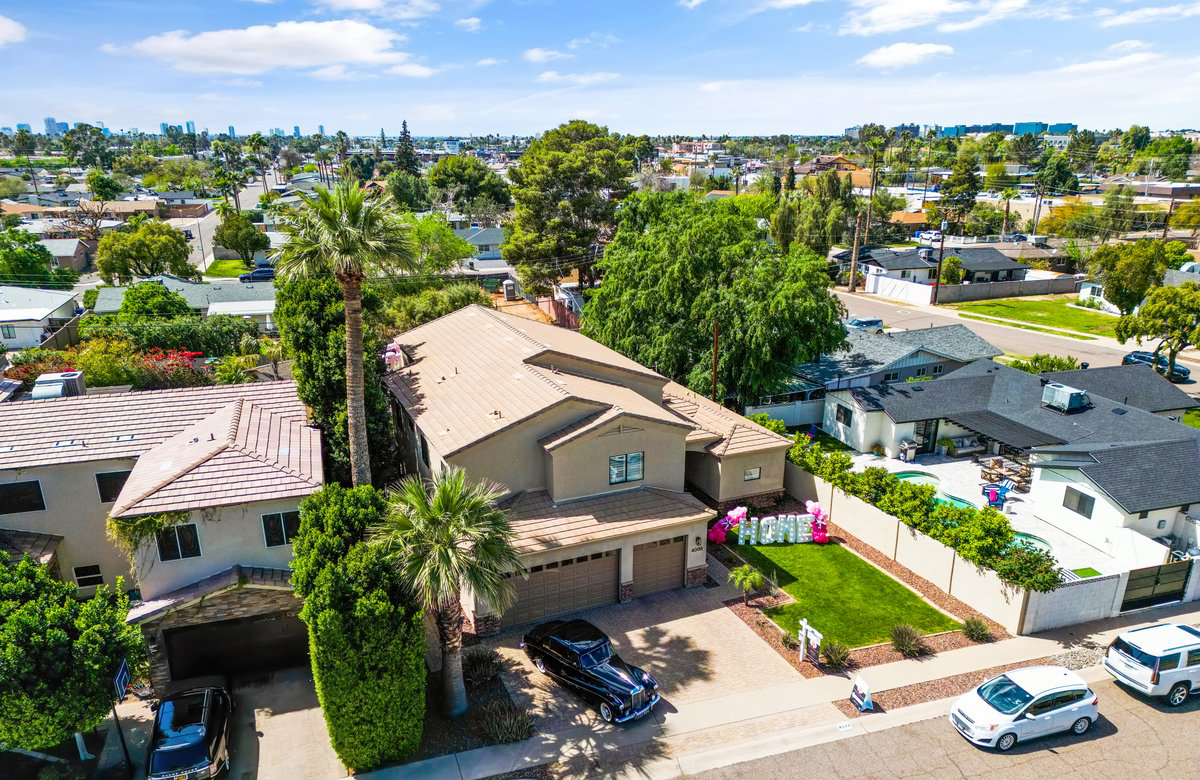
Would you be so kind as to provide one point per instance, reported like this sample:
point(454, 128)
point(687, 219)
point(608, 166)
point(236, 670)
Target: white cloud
point(772, 5)
point(11, 31)
point(872, 17)
point(488, 62)
point(392, 9)
point(335, 73)
point(803, 28)
point(412, 70)
point(543, 55)
point(715, 86)
point(239, 82)
point(902, 55)
point(599, 40)
point(470, 24)
point(993, 12)
point(576, 79)
point(690, 4)
point(1133, 44)
point(263, 47)
point(1163, 13)
point(1116, 63)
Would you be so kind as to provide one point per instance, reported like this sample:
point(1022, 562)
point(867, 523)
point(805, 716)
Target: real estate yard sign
point(810, 642)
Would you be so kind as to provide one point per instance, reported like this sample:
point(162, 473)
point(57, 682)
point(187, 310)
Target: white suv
point(1024, 704)
point(1160, 660)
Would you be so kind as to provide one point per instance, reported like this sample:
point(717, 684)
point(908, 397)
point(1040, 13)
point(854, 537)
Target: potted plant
point(943, 445)
point(877, 449)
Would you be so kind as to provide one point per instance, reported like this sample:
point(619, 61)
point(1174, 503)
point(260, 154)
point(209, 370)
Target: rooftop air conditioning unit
point(1063, 398)
point(71, 381)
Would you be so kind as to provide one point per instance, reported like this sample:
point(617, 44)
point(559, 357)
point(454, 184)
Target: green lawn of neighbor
point(841, 595)
point(1050, 310)
point(228, 267)
point(1086, 571)
point(1192, 417)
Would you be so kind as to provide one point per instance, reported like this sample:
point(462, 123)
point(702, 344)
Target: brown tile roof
point(908, 218)
point(477, 371)
point(121, 206)
point(233, 577)
point(121, 425)
point(543, 525)
point(16, 544)
point(737, 434)
point(240, 453)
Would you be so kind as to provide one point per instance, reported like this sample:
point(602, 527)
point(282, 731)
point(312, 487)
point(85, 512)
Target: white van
point(1160, 660)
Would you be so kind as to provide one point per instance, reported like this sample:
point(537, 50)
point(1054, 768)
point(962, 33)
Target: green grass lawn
point(1048, 310)
point(1080, 336)
point(1192, 417)
point(827, 441)
point(841, 595)
point(228, 267)
point(1086, 571)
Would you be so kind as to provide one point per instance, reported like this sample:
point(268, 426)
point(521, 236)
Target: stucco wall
point(704, 472)
point(75, 512)
point(580, 468)
point(865, 429)
point(1074, 602)
point(733, 471)
point(228, 536)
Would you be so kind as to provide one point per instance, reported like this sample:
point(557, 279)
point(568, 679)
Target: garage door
point(568, 585)
point(659, 565)
point(242, 646)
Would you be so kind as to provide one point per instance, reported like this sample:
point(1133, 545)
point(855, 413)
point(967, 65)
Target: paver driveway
point(686, 639)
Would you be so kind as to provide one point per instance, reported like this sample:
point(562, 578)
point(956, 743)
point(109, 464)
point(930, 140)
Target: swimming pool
point(1035, 542)
point(924, 478)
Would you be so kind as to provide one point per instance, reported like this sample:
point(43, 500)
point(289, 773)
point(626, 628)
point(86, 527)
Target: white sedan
point(1024, 704)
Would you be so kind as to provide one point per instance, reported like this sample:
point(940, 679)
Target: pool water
point(921, 478)
point(1029, 540)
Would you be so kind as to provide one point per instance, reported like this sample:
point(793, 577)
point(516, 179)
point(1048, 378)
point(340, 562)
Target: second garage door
point(253, 644)
point(567, 585)
point(659, 565)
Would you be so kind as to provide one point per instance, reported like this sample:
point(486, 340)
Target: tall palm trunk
point(356, 407)
point(1004, 227)
point(449, 619)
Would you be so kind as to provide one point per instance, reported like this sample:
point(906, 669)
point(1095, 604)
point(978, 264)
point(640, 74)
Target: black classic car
point(190, 740)
point(579, 656)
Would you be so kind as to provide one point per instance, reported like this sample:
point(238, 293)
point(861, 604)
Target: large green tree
point(149, 300)
point(437, 247)
point(447, 537)
point(409, 191)
point(153, 247)
point(26, 263)
point(86, 146)
point(347, 235)
point(238, 233)
point(679, 265)
point(1129, 271)
point(960, 188)
point(1170, 317)
point(462, 180)
point(58, 654)
point(566, 189)
point(103, 186)
point(406, 153)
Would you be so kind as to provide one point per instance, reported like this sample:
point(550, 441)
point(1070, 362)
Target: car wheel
point(1006, 742)
point(1178, 694)
point(880, 330)
point(1080, 727)
point(539, 664)
point(606, 713)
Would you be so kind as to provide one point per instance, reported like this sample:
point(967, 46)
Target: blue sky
point(669, 66)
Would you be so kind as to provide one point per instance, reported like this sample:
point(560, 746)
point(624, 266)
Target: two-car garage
point(240, 646)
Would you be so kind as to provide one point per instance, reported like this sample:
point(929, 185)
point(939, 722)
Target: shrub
point(976, 630)
point(790, 641)
point(505, 722)
point(1029, 568)
point(217, 336)
point(28, 364)
point(769, 422)
point(908, 640)
point(836, 655)
point(481, 665)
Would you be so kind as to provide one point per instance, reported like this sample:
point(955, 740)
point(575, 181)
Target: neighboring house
point(28, 316)
point(249, 299)
point(233, 460)
point(1107, 463)
point(124, 209)
point(486, 242)
point(29, 210)
point(827, 162)
point(718, 194)
point(595, 452)
point(870, 359)
point(67, 252)
point(919, 264)
point(1091, 292)
point(915, 221)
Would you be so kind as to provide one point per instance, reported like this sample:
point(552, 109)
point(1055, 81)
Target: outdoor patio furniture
point(996, 495)
point(965, 445)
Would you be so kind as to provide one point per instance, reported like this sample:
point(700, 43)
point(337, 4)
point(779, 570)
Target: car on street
point(1142, 357)
point(1159, 660)
point(580, 657)
point(1024, 704)
point(261, 274)
point(1018, 237)
point(929, 235)
point(190, 738)
point(872, 324)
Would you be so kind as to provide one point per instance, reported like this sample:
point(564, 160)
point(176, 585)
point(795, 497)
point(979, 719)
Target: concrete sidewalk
point(681, 741)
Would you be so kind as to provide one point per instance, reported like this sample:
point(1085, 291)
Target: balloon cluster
point(722, 527)
point(820, 527)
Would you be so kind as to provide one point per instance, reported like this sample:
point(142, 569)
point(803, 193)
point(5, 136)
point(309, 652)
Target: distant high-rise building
point(179, 128)
point(61, 127)
point(1062, 128)
point(51, 127)
point(162, 128)
point(231, 133)
point(320, 129)
point(852, 132)
point(6, 130)
point(24, 126)
point(295, 131)
point(191, 127)
point(1030, 128)
point(914, 130)
point(277, 132)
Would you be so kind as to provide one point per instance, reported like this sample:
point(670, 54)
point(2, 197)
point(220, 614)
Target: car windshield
point(1004, 695)
point(1135, 654)
point(596, 655)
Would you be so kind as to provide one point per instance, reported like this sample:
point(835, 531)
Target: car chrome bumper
point(1125, 678)
point(638, 713)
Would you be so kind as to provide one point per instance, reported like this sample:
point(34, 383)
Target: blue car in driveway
point(264, 273)
point(1141, 357)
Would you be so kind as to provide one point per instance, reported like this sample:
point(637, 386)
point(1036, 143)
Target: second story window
point(281, 528)
point(1078, 502)
point(178, 542)
point(109, 485)
point(21, 497)
point(625, 468)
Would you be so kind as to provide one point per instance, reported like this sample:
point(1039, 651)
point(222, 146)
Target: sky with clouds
point(639, 66)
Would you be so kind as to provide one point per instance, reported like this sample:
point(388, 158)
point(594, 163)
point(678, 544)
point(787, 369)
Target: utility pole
point(1167, 220)
point(714, 382)
point(937, 282)
point(870, 200)
point(852, 283)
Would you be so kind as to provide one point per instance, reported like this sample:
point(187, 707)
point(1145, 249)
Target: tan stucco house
point(611, 471)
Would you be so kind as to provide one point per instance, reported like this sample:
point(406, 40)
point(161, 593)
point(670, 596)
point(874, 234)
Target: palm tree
point(257, 145)
point(272, 350)
point(347, 233)
point(444, 536)
point(1006, 195)
point(746, 578)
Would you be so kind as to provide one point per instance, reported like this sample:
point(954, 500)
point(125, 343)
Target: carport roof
point(233, 577)
point(543, 525)
point(16, 544)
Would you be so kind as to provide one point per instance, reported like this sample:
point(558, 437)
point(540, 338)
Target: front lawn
point(1048, 310)
point(226, 268)
point(1192, 417)
point(841, 595)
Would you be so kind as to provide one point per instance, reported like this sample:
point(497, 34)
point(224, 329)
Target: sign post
point(120, 683)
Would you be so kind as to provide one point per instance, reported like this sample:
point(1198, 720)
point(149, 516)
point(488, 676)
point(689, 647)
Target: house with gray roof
point(486, 242)
point(919, 264)
point(255, 300)
point(67, 252)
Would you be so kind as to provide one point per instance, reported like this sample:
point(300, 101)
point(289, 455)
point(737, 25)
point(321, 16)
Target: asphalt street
point(203, 229)
point(1135, 739)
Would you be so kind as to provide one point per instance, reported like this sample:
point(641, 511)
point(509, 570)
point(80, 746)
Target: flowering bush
point(29, 364)
point(170, 368)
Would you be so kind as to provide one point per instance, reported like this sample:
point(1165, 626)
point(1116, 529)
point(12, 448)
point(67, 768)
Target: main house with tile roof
point(230, 464)
point(611, 472)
